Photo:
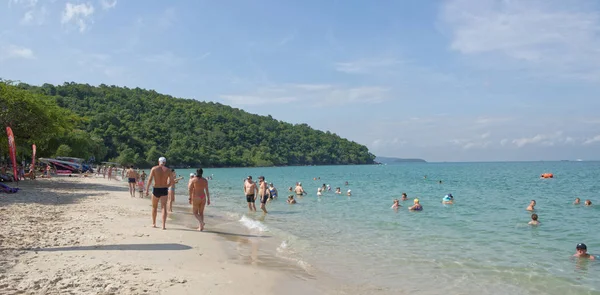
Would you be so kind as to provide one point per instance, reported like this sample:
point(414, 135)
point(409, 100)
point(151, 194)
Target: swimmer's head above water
point(581, 251)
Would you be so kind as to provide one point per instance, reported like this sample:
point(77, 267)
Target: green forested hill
point(137, 126)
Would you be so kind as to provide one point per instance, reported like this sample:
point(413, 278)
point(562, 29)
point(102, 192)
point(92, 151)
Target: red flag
point(13, 151)
point(33, 156)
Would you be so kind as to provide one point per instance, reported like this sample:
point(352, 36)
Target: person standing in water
point(200, 197)
point(299, 189)
point(272, 191)
point(162, 177)
point(251, 192)
point(131, 180)
point(264, 194)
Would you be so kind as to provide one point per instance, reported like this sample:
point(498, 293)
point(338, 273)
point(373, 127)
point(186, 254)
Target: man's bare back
point(162, 177)
point(131, 173)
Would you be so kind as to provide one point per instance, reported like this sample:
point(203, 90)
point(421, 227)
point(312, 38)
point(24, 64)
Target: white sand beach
point(88, 236)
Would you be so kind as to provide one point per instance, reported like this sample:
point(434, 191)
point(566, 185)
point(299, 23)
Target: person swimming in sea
point(531, 206)
point(319, 192)
point(577, 201)
point(396, 204)
point(291, 200)
point(404, 197)
point(416, 207)
point(448, 199)
point(588, 203)
point(534, 219)
point(581, 252)
point(349, 193)
point(338, 190)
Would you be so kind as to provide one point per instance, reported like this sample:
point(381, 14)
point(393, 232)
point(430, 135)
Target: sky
point(455, 80)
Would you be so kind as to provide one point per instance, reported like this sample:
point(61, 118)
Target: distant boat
point(67, 164)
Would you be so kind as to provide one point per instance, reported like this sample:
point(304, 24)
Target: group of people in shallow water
point(581, 249)
point(199, 196)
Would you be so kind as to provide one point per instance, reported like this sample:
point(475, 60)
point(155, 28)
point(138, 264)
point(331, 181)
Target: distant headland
point(391, 160)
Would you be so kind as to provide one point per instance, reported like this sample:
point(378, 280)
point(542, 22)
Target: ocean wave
point(253, 224)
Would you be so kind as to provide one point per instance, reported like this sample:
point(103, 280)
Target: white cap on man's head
point(162, 160)
point(192, 174)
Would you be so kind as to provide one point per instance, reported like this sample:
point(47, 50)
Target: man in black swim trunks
point(250, 190)
point(263, 193)
point(131, 177)
point(163, 178)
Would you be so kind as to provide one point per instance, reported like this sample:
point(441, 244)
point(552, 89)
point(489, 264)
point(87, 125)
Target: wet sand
point(88, 236)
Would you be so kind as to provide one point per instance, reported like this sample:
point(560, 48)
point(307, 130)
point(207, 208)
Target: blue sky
point(456, 80)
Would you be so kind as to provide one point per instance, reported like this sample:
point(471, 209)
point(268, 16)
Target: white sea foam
point(253, 224)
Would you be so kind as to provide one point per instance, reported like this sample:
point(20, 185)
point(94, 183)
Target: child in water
point(404, 197)
point(416, 207)
point(531, 206)
point(534, 219)
point(577, 201)
point(396, 204)
point(291, 200)
point(338, 190)
point(588, 203)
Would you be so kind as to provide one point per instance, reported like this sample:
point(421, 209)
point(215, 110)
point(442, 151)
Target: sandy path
point(87, 236)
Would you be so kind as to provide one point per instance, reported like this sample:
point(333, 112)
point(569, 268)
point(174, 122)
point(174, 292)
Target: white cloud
point(312, 87)
point(542, 35)
point(542, 139)
point(485, 135)
point(24, 3)
point(592, 140)
point(390, 142)
point(108, 4)
point(364, 66)
point(79, 14)
point(317, 95)
point(286, 39)
point(255, 100)
point(203, 56)
point(13, 51)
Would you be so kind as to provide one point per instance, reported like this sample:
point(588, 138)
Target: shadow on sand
point(45, 192)
point(119, 247)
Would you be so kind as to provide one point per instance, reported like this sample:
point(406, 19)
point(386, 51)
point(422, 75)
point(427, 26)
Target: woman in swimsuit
point(416, 206)
point(200, 197)
point(273, 191)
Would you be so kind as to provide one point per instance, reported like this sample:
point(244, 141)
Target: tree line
point(137, 126)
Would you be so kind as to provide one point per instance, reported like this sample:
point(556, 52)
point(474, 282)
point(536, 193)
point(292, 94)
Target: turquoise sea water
point(480, 245)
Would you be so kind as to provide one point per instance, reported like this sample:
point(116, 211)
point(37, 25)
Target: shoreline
point(87, 235)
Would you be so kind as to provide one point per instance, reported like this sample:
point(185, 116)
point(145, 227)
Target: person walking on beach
point(131, 180)
point(264, 194)
point(200, 197)
point(250, 191)
point(162, 177)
